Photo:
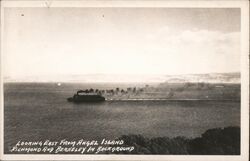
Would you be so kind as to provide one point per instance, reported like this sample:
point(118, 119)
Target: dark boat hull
point(86, 98)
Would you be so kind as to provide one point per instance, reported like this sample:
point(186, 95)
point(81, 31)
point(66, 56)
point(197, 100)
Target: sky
point(44, 42)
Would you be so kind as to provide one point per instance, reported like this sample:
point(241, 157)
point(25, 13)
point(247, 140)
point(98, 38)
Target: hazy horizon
point(232, 77)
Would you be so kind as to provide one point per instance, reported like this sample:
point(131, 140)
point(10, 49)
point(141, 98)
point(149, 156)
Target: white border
point(243, 4)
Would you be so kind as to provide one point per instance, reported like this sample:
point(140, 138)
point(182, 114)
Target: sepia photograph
point(124, 81)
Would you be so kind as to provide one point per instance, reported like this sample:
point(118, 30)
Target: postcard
point(125, 80)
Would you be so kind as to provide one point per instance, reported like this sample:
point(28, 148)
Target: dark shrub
point(217, 142)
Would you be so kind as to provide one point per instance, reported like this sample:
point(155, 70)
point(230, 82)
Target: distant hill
point(207, 78)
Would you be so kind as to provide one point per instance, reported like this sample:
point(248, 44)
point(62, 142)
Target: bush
point(216, 141)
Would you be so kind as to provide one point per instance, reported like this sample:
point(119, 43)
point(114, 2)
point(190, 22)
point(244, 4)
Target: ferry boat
point(82, 96)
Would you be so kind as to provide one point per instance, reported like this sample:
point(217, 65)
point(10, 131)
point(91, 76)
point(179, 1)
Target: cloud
point(195, 41)
point(195, 51)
